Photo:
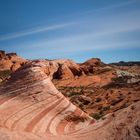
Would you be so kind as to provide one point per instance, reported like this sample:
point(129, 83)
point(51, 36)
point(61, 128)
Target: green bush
point(96, 116)
point(4, 74)
point(72, 94)
point(106, 108)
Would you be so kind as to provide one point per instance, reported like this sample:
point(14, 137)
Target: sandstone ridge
point(32, 108)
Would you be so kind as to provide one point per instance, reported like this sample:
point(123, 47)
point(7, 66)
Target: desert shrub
point(106, 108)
point(101, 112)
point(121, 80)
point(72, 91)
point(75, 118)
point(81, 89)
point(101, 71)
point(96, 116)
point(117, 82)
point(100, 108)
point(4, 74)
point(72, 94)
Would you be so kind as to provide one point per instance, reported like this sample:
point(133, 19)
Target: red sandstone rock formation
point(2, 54)
point(31, 108)
point(10, 61)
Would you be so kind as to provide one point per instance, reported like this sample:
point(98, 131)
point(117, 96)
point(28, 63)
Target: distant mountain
point(129, 63)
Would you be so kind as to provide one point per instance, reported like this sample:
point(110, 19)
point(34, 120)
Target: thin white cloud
point(34, 31)
point(107, 31)
point(58, 26)
point(94, 40)
point(113, 6)
point(117, 26)
point(117, 5)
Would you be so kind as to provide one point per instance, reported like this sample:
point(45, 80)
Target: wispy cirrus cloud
point(108, 7)
point(87, 38)
point(34, 31)
point(59, 26)
point(117, 5)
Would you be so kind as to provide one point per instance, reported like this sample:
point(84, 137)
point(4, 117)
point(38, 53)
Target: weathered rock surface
point(2, 54)
point(31, 108)
point(29, 103)
point(10, 61)
point(60, 69)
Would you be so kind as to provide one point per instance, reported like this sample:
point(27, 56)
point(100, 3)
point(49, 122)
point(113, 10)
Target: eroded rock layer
point(30, 103)
point(31, 108)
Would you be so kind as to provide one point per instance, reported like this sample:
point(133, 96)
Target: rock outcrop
point(31, 108)
point(95, 101)
point(90, 66)
point(10, 61)
point(60, 69)
point(31, 104)
point(2, 54)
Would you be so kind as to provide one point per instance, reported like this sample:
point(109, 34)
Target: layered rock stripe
point(29, 102)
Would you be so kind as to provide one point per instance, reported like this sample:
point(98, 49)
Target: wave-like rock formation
point(31, 108)
point(30, 103)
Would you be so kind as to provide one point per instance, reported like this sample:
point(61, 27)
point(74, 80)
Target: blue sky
point(74, 29)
